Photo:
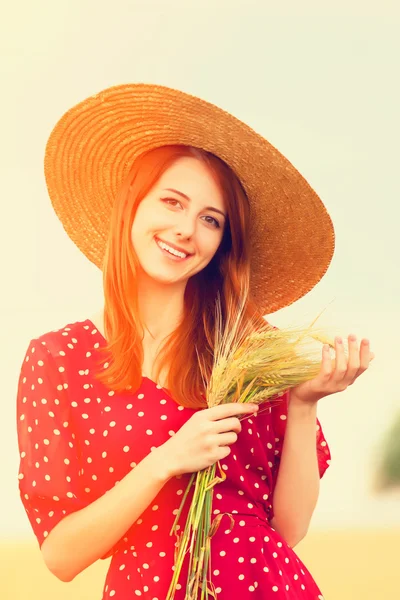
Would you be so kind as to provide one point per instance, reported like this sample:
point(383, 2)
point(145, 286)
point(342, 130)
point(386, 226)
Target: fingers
point(326, 367)
point(347, 370)
point(354, 360)
point(365, 356)
point(231, 409)
point(340, 371)
point(343, 371)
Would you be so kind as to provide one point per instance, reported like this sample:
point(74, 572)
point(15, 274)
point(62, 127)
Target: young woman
point(176, 201)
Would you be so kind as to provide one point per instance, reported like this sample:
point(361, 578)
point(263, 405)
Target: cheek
point(209, 244)
point(143, 223)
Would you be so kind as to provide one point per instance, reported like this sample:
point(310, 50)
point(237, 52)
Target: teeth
point(171, 250)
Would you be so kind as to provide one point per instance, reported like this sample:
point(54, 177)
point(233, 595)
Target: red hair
point(227, 274)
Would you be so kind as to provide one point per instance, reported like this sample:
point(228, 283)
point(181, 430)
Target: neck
point(161, 310)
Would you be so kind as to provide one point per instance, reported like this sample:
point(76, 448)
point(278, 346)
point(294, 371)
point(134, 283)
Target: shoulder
point(71, 338)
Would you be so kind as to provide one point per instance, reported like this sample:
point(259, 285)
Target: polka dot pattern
point(77, 440)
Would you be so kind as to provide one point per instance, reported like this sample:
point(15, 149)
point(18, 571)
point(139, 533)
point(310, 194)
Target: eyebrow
point(212, 208)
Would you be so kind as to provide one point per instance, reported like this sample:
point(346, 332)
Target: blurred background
point(320, 81)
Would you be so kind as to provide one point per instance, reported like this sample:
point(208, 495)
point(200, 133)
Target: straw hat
point(91, 150)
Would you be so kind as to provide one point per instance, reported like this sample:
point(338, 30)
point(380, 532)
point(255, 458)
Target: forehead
point(193, 178)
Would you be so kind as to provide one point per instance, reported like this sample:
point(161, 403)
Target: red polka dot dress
point(77, 440)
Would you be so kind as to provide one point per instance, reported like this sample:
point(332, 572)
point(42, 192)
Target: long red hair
point(227, 275)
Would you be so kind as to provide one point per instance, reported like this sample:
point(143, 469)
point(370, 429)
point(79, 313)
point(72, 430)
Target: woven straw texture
point(93, 145)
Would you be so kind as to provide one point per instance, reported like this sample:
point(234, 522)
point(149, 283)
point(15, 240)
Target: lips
point(178, 248)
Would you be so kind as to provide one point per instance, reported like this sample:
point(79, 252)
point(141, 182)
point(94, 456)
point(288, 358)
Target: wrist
point(301, 409)
point(160, 464)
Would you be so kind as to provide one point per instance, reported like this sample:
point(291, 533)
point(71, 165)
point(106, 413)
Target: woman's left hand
point(336, 377)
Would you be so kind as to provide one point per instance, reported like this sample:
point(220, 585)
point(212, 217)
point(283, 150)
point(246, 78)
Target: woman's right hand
point(205, 438)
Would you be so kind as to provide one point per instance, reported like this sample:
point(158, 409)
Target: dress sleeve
point(279, 414)
point(49, 475)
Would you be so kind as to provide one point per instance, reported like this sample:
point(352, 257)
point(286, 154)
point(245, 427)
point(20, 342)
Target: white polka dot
point(126, 448)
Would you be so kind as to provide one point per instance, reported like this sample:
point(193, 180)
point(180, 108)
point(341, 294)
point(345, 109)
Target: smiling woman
point(179, 204)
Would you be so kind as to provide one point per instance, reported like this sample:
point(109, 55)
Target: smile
point(169, 251)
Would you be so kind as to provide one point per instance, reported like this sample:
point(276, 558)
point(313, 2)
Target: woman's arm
point(297, 486)
point(86, 535)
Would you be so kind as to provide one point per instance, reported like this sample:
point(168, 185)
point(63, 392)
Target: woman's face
point(189, 221)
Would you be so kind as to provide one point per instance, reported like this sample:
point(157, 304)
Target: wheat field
point(347, 565)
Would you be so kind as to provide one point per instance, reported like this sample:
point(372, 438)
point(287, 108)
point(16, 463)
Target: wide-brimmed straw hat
point(94, 144)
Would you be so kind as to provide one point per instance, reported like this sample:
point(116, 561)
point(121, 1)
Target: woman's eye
point(170, 200)
point(213, 221)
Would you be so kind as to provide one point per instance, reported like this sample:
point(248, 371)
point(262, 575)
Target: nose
point(185, 228)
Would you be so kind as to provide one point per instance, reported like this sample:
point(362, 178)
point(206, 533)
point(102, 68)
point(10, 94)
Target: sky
point(319, 82)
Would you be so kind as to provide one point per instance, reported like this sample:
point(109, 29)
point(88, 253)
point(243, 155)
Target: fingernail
point(339, 340)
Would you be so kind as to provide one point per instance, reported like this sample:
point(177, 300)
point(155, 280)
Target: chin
point(162, 278)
